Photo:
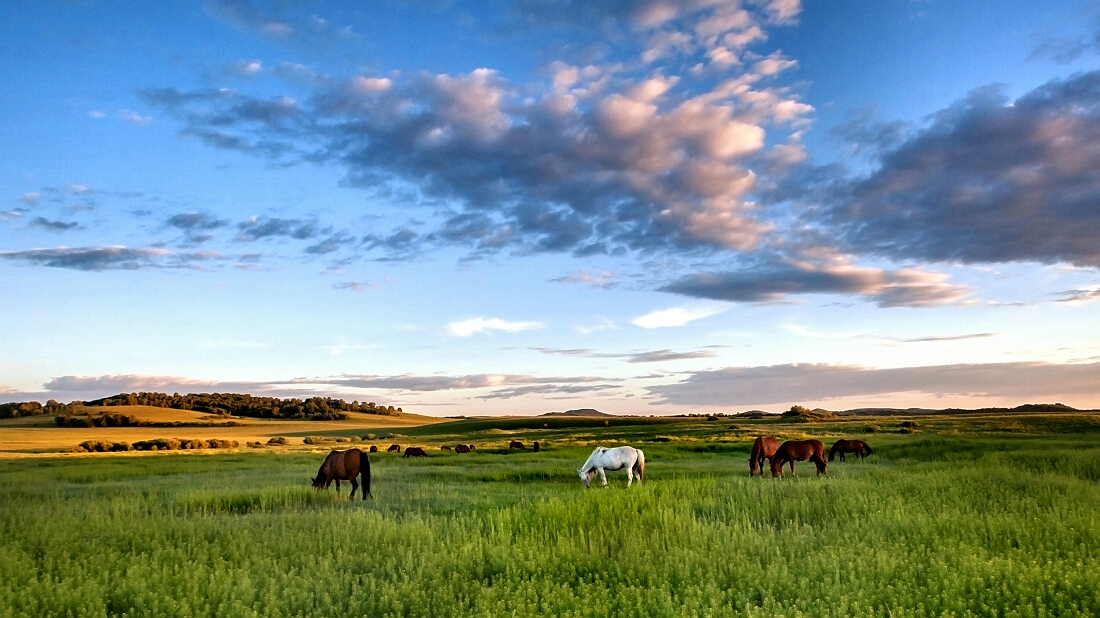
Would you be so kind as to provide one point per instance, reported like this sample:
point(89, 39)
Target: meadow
point(969, 516)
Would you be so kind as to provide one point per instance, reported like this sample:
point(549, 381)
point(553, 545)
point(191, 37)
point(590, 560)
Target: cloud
point(134, 118)
point(31, 197)
point(332, 244)
point(659, 356)
point(737, 386)
point(97, 114)
point(599, 159)
point(775, 278)
point(599, 278)
point(987, 180)
point(108, 258)
point(1078, 296)
point(677, 316)
point(54, 226)
point(245, 68)
point(637, 357)
point(467, 328)
point(257, 228)
point(242, 14)
point(355, 286)
point(949, 338)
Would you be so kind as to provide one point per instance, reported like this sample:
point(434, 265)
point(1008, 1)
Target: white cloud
point(246, 68)
point(677, 316)
point(134, 117)
point(95, 113)
point(31, 197)
point(467, 328)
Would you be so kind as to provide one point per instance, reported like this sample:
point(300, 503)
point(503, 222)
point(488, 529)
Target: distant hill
point(580, 412)
point(1027, 407)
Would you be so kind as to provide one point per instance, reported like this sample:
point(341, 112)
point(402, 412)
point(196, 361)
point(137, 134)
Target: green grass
point(952, 521)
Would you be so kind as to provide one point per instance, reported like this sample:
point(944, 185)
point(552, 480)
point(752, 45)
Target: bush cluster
point(157, 444)
point(328, 440)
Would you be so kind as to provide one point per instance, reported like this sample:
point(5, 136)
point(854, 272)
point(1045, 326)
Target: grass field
point(972, 516)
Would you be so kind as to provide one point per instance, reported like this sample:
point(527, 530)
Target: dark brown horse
point(462, 448)
point(538, 447)
point(799, 450)
point(762, 448)
point(345, 465)
point(515, 444)
point(414, 451)
point(859, 447)
point(373, 448)
point(394, 447)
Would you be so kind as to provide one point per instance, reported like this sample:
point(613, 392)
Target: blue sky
point(646, 207)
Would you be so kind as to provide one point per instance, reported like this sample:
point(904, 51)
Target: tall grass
point(928, 526)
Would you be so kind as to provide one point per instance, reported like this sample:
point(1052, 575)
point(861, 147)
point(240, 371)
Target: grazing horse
point(613, 459)
point(462, 448)
point(538, 447)
point(414, 451)
point(762, 448)
point(345, 465)
point(445, 448)
point(799, 450)
point(859, 447)
point(515, 444)
point(394, 447)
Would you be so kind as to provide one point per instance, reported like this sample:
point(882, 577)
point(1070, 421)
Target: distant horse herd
point(347, 465)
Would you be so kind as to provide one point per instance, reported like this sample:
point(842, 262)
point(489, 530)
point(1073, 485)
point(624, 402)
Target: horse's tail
point(639, 466)
point(364, 471)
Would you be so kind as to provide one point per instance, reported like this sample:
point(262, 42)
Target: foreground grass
point(931, 525)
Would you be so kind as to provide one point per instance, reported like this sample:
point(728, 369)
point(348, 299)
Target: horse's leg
point(354, 486)
point(337, 485)
point(629, 474)
point(603, 477)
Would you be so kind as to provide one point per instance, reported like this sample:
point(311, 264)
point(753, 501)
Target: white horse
point(613, 459)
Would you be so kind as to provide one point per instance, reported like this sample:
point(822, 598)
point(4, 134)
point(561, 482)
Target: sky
point(517, 207)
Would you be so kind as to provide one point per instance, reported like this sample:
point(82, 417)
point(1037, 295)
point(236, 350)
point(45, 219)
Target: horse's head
point(319, 482)
point(777, 466)
point(586, 476)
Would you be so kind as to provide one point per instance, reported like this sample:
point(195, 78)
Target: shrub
point(317, 440)
point(278, 440)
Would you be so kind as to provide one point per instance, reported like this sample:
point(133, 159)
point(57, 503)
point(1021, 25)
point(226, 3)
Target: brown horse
point(414, 451)
point(515, 444)
point(445, 448)
point(345, 465)
point(859, 447)
point(462, 448)
point(394, 447)
point(373, 448)
point(799, 450)
point(538, 447)
point(762, 448)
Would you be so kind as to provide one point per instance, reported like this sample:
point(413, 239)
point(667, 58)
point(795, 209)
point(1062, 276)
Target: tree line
point(219, 404)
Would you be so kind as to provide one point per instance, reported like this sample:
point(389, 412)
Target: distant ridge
point(1027, 407)
point(580, 412)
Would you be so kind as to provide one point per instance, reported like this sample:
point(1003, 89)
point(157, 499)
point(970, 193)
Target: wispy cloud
point(677, 316)
point(134, 118)
point(1079, 296)
point(818, 382)
point(109, 258)
point(471, 326)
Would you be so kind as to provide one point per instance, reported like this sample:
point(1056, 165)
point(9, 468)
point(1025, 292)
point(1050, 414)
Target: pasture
point(971, 516)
